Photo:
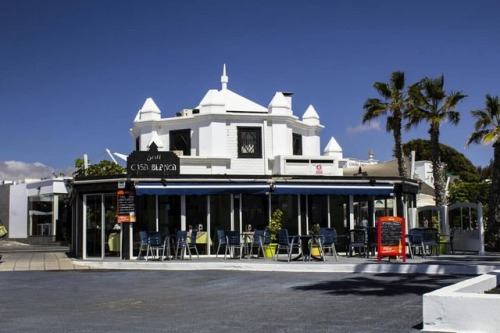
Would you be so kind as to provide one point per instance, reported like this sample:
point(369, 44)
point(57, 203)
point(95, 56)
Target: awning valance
point(333, 189)
point(279, 188)
point(201, 188)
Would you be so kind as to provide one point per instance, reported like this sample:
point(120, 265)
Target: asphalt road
point(212, 301)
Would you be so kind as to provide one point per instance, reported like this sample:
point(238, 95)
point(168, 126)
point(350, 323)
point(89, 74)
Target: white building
point(227, 163)
point(229, 134)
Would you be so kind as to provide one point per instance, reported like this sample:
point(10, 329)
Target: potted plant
point(315, 230)
point(274, 226)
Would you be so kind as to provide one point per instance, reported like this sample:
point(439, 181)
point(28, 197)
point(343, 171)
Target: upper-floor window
point(138, 143)
point(249, 142)
point(297, 144)
point(181, 140)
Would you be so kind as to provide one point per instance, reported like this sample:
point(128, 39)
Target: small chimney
point(288, 97)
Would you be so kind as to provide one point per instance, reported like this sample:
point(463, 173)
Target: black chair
point(182, 244)
point(358, 239)
point(221, 240)
point(233, 241)
point(328, 239)
point(286, 242)
point(155, 244)
point(192, 242)
point(372, 240)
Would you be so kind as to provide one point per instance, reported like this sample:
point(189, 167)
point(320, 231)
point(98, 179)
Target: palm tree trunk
point(437, 167)
point(399, 151)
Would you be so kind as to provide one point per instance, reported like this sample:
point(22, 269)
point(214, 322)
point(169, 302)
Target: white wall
point(18, 214)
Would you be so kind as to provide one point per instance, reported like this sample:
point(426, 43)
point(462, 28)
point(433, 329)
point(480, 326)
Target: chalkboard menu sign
point(126, 206)
point(391, 237)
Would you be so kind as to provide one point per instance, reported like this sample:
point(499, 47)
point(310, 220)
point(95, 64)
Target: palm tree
point(431, 103)
point(394, 105)
point(487, 130)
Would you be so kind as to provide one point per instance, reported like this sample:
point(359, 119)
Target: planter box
point(463, 307)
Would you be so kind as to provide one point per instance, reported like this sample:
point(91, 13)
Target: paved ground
point(213, 301)
point(21, 257)
point(43, 290)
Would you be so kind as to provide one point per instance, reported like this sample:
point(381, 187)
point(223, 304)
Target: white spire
point(224, 79)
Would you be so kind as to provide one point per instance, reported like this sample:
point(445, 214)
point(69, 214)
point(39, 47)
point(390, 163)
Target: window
point(181, 140)
point(249, 142)
point(138, 143)
point(297, 144)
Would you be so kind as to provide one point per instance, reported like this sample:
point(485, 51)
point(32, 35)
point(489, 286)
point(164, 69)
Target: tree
point(429, 102)
point(487, 130)
point(393, 105)
point(103, 168)
point(455, 162)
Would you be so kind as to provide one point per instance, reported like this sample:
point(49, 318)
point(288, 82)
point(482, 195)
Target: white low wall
point(463, 307)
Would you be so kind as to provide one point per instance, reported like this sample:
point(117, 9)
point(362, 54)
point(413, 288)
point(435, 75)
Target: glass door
point(102, 233)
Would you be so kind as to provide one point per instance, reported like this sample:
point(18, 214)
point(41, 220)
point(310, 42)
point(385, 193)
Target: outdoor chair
point(182, 244)
point(257, 242)
point(358, 240)
point(448, 240)
point(415, 238)
point(166, 248)
point(233, 241)
point(328, 240)
point(192, 242)
point(430, 240)
point(372, 240)
point(221, 241)
point(154, 245)
point(143, 238)
point(286, 242)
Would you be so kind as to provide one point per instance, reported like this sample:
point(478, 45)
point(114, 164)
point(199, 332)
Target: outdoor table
point(306, 244)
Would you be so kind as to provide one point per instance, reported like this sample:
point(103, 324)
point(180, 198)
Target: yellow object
point(315, 251)
point(114, 242)
point(270, 251)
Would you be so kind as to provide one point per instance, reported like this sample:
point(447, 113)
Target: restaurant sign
point(152, 164)
point(391, 237)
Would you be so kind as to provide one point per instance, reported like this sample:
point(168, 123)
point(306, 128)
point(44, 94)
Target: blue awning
point(333, 189)
point(201, 188)
point(279, 188)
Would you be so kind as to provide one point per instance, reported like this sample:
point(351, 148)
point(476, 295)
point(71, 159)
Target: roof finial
point(224, 79)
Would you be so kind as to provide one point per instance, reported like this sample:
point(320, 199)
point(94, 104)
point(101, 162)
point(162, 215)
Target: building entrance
point(102, 233)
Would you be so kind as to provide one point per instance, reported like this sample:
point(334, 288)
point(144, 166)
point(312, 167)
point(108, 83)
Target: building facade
point(227, 163)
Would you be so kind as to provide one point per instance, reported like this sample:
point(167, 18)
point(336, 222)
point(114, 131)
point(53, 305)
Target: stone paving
point(22, 257)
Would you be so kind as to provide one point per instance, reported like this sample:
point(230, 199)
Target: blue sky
point(73, 74)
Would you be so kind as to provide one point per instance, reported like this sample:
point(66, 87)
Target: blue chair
point(258, 242)
point(328, 238)
point(154, 244)
point(192, 242)
point(182, 244)
point(286, 242)
point(233, 241)
point(143, 238)
point(166, 248)
point(221, 240)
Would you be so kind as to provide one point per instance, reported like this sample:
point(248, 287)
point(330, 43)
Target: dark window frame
point(297, 144)
point(184, 144)
point(246, 137)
